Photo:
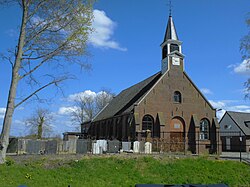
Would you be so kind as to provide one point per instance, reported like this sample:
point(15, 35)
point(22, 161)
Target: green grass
point(118, 171)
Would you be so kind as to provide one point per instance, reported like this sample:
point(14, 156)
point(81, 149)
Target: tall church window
point(204, 129)
point(147, 123)
point(174, 47)
point(177, 97)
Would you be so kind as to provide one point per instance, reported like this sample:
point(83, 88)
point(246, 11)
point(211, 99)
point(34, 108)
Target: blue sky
point(126, 49)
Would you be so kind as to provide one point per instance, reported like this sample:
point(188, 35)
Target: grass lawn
point(121, 171)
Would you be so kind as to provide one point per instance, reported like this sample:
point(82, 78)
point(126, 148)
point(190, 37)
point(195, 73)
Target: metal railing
point(231, 145)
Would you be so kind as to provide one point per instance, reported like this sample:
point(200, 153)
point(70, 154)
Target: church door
point(177, 135)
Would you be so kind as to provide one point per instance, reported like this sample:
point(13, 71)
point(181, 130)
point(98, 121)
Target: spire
point(170, 7)
point(172, 56)
point(171, 33)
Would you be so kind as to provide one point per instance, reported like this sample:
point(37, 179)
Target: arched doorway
point(177, 134)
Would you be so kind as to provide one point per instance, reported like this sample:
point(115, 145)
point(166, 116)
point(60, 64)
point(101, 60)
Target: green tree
point(52, 35)
point(245, 51)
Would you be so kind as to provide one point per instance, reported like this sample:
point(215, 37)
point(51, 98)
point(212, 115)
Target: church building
point(165, 107)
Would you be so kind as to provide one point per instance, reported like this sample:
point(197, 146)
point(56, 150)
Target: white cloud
point(76, 96)
point(103, 31)
point(220, 114)
point(243, 68)
point(217, 104)
point(66, 110)
point(240, 108)
point(20, 108)
point(206, 91)
point(2, 112)
point(18, 122)
point(12, 33)
point(87, 94)
point(229, 105)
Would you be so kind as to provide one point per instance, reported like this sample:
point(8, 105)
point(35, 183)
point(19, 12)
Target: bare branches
point(247, 90)
point(86, 106)
point(8, 59)
point(40, 122)
point(39, 4)
point(47, 57)
point(103, 98)
point(54, 82)
point(245, 51)
point(57, 35)
point(245, 47)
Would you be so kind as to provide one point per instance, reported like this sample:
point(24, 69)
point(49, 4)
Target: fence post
point(184, 143)
point(240, 145)
point(218, 143)
point(198, 143)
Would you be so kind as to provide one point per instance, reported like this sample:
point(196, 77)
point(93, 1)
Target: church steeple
point(170, 33)
point(171, 48)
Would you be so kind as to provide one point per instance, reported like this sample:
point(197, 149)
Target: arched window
point(204, 129)
point(147, 123)
point(177, 97)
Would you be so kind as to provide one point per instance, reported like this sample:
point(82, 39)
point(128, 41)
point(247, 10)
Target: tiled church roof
point(124, 102)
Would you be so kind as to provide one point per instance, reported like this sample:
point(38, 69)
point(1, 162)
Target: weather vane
point(170, 7)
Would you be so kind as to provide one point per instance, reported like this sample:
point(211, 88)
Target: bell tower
point(171, 49)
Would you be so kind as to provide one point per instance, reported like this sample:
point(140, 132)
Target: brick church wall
point(160, 100)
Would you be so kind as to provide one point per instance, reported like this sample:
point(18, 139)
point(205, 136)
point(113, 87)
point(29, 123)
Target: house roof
point(242, 120)
point(72, 133)
point(124, 102)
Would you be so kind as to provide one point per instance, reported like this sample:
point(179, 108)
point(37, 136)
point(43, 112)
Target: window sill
point(204, 140)
point(176, 102)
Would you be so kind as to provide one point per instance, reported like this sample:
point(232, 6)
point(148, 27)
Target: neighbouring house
point(165, 107)
point(77, 135)
point(235, 131)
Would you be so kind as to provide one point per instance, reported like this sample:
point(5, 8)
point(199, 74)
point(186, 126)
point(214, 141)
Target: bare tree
point(52, 35)
point(84, 109)
point(87, 106)
point(245, 51)
point(103, 98)
point(40, 123)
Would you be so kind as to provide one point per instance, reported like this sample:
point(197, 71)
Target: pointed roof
point(171, 33)
point(242, 120)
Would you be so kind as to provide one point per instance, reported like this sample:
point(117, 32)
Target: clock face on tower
point(176, 61)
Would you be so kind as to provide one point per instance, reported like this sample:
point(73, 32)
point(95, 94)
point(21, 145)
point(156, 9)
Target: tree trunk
point(4, 137)
point(40, 128)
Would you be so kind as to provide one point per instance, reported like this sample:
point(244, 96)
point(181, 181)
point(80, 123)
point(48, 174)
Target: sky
point(125, 49)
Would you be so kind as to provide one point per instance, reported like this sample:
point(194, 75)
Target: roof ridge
point(238, 112)
point(142, 81)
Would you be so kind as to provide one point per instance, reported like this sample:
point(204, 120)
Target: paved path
point(236, 156)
